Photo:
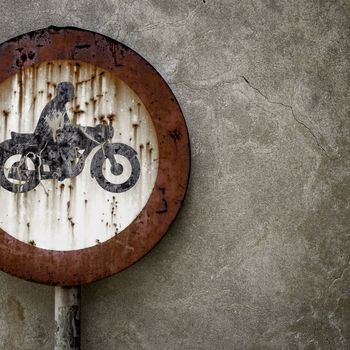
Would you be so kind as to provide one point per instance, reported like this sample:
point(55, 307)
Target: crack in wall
point(341, 275)
point(285, 105)
point(290, 107)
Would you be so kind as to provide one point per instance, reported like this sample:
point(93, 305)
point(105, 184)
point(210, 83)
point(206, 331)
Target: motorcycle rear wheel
point(97, 168)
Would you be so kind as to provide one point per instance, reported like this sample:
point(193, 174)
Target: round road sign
point(94, 156)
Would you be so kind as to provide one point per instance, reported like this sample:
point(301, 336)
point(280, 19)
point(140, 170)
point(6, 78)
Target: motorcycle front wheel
point(18, 171)
point(100, 167)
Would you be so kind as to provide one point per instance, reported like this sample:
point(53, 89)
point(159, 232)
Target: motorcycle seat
point(21, 138)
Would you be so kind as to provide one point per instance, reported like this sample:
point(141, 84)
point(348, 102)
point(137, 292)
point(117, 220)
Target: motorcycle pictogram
point(58, 150)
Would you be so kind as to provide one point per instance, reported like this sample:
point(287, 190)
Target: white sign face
point(107, 148)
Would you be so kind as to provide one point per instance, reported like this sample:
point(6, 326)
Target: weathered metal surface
point(67, 318)
point(69, 195)
point(134, 100)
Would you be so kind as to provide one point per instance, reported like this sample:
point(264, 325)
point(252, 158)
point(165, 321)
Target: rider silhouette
point(54, 125)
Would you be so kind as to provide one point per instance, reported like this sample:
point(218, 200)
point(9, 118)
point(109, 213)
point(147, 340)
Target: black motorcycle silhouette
point(58, 150)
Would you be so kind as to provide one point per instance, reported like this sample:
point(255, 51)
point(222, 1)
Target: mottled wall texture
point(259, 255)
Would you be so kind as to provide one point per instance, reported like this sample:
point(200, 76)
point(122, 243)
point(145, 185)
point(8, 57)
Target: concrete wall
point(259, 256)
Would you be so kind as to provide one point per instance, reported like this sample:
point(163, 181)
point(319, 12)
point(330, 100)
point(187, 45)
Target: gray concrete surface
point(259, 256)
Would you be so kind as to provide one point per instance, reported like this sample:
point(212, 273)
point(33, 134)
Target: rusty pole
point(67, 318)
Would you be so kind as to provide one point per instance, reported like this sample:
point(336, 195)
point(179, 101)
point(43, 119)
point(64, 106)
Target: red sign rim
point(68, 268)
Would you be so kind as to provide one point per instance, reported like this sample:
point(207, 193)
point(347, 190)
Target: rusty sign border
point(68, 268)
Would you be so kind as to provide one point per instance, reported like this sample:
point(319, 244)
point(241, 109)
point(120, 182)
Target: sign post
point(67, 318)
point(94, 162)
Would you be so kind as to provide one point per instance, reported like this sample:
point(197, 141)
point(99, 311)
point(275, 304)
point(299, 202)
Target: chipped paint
point(67, 318)
point(77, 212)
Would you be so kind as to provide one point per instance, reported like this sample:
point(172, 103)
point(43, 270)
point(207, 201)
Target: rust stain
point(111, 118)
point(6, 115)
point(175, 134)
point(102, 119)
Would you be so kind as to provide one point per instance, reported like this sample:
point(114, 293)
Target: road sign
point(94, 156)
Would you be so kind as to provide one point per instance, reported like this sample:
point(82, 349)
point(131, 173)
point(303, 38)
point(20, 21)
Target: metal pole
point(67, 318)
